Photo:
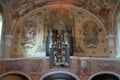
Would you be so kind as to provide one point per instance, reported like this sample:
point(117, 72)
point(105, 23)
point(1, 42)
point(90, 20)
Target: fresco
point(90, 33)
point(87, 31)
point(28, 34)
point(22, 7)
point(59, 18)
point(101, 8)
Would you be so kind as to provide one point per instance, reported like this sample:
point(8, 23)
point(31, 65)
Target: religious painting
point(90, 33)
point(87, 31)
point(28, 35)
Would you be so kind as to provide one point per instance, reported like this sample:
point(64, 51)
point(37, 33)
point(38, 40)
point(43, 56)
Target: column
point(111, 45)
point(7, 46)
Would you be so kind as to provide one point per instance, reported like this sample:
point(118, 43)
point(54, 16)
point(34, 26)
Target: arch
point(6, 17)
point(57, 5)
point(15, 73)
point(104, 72)
point(61, 73)
point(116, 13)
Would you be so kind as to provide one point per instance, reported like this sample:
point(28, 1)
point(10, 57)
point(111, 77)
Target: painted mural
point(22, 7)
point(59, 18)
point(28, 34)
point(85, 44)
point(103, 9)
point(90, 33)
point(87, 30)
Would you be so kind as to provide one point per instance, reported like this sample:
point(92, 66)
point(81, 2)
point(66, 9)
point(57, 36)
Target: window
point(0, 26)
point(1, 21)
point(118, 36)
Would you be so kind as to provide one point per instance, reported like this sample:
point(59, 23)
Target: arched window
point(1, 25)
point(1, 22)
point(118, 35)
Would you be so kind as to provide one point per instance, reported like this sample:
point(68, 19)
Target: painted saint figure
point(90, 34)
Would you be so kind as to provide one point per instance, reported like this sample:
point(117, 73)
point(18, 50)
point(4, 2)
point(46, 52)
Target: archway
point(59, 75)
point(14, 76)
point(105, 76)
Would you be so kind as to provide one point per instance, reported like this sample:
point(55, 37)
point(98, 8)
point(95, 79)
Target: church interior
point(59, 39)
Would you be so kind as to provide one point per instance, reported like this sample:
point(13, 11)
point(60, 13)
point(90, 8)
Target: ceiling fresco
point(103, 9)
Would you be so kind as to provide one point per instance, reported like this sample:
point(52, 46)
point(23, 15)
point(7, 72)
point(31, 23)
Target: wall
point(36, 68)
point(90, 21)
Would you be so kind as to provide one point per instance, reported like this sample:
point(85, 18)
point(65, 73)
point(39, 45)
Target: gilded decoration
point(88, 32)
